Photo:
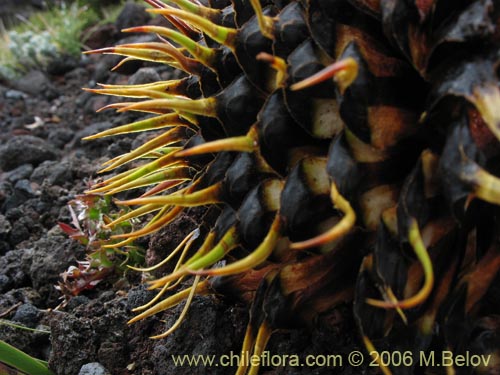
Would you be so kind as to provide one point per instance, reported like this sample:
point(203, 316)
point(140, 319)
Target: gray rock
point(83, 98)
point(37, 83)
point(215, 341)
point(62, 64)
point(60, 137)
point(28, 315)
point(24, 187)
point(19, 295)
point(119, 147)
point(5, 226)
point(21, 230)
point(22, 192)
point(12, 272)
point(14, 214)
point(101, 36)
point(139, 296)
point(51, 256)
point(53, 173)
point(132, 15)
point(103, 67)
point(4, 282)
point(74, 343)
point(4, 247)
point(144, 75)
point(94, 368)
point(77, 74)
point(110, 353)
point(90, 130)
point(25, 149)
point(92, 332)
point(22, 172)
point(15, 94)
point(77, 301)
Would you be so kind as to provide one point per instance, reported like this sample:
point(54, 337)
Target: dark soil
point(44, 164)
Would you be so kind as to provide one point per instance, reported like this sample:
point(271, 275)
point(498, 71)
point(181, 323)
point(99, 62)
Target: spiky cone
point(350, 148)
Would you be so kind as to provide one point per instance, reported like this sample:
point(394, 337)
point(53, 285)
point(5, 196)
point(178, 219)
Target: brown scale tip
point(345, 72)
point(277, 64)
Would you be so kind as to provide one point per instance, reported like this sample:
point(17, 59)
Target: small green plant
point(21, 361)
point(45, 36)
point(32, 48)
point(91, 215)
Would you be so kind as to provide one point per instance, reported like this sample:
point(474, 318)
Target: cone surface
point(349, 149)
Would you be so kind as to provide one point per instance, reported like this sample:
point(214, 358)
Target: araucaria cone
point(348, 153)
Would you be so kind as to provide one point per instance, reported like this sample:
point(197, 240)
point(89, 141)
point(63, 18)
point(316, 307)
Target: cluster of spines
point(293, 169)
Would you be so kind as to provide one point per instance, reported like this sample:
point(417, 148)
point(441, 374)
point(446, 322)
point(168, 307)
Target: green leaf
point(21, 361)
point(94, 214)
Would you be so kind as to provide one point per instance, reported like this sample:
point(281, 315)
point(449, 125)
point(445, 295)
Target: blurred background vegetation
point(33, 33)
